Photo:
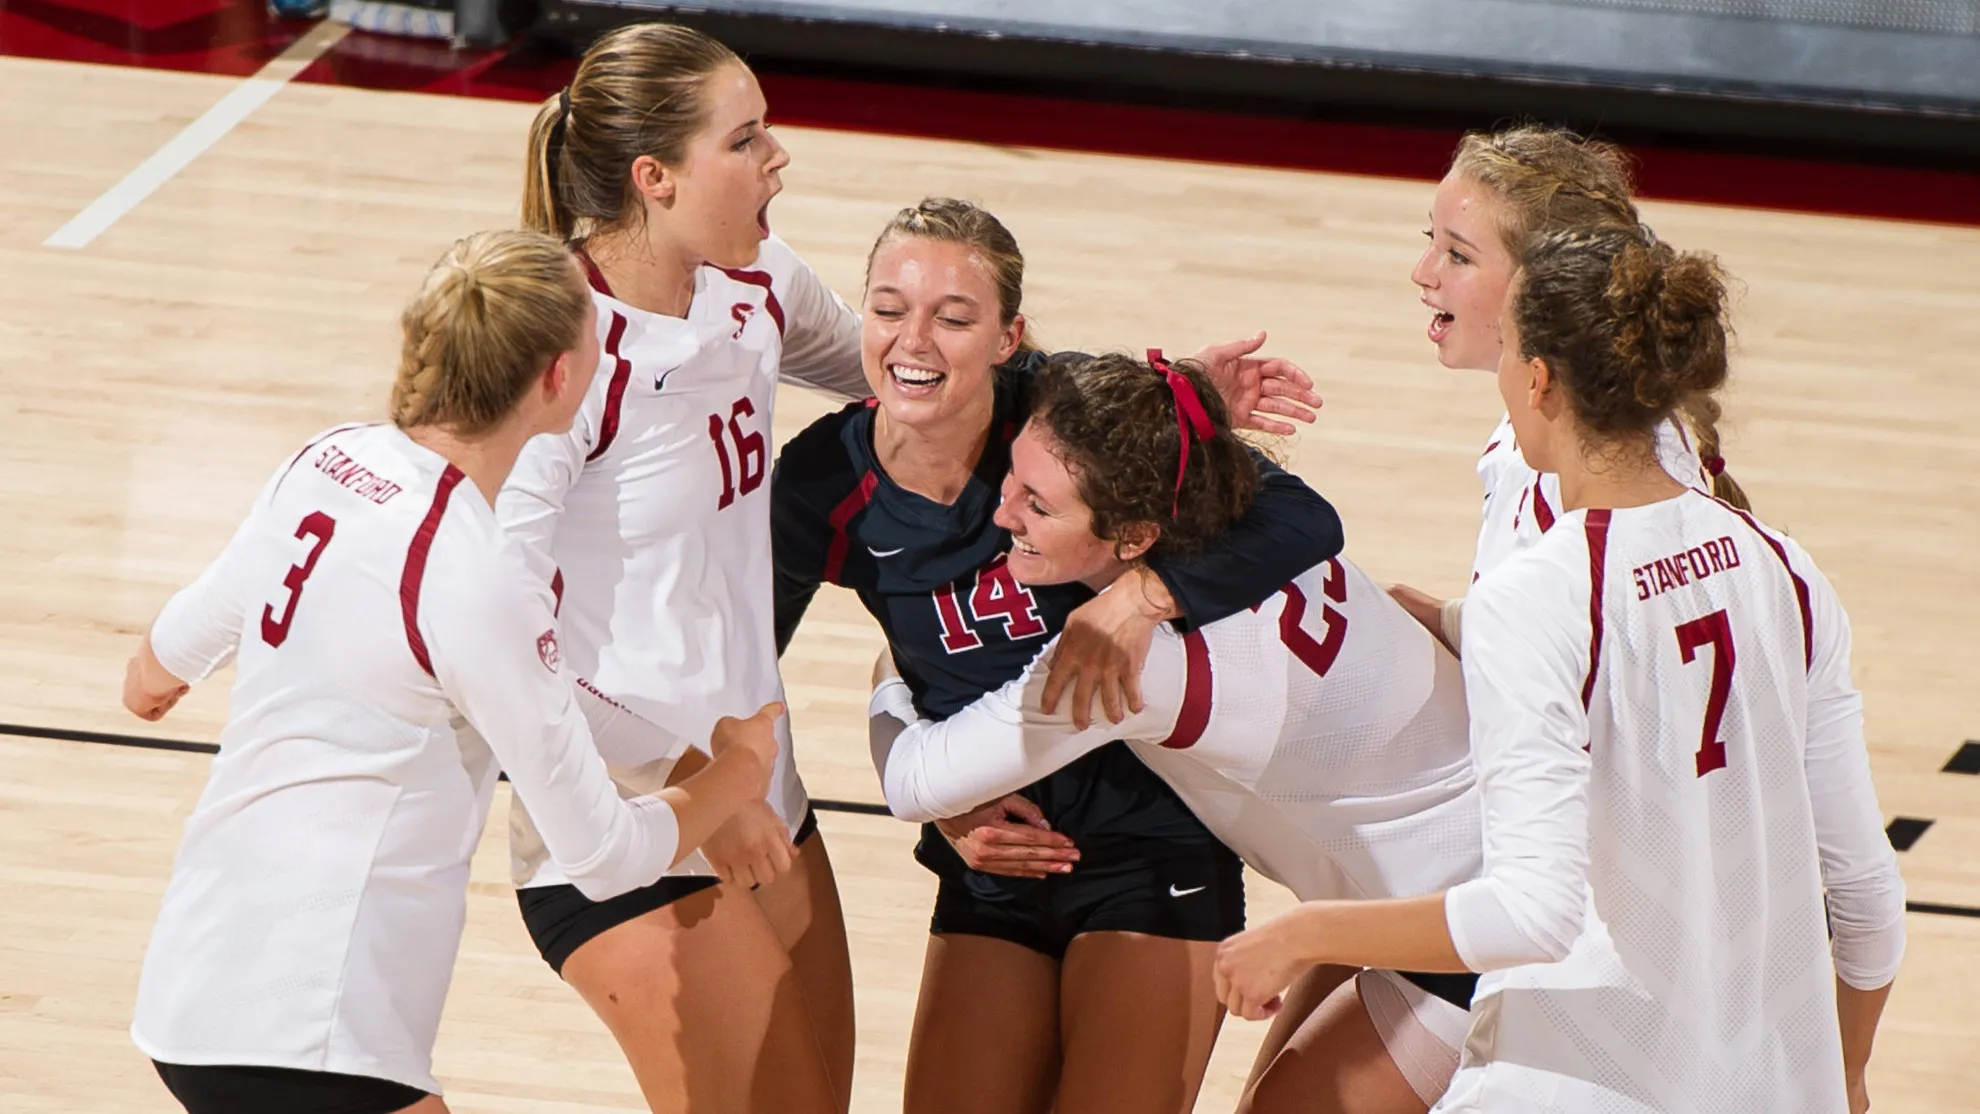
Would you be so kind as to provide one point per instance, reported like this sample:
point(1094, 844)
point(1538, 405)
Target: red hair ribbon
point(1715, 464)
point(1191, 417)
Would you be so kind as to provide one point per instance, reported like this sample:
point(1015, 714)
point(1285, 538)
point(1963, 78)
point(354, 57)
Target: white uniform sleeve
point(930, 770)
point(486, 628)
point(1525, 657)
point(1859, 868)
point(532, 501)
point(199, 629)
point(821, 335)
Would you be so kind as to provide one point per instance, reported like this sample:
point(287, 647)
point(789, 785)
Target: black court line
point(862, 808)
point(1965, 760)
point(1904, 831)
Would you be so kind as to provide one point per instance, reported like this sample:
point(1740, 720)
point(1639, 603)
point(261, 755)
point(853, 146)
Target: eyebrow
point(1460, 239)
point(883, 288)
point(746, 124)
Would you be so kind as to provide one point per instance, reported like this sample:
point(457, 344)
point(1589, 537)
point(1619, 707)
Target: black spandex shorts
point(1456, 989)
point(1183, 891)
point(251, 1090)
point(560, 919)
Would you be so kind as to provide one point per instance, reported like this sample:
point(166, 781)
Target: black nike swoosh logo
point(660, 381)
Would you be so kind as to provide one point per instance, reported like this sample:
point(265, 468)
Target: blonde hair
point(1550, 181)
point(488, 319)
point(637, 92)
point(950, 221)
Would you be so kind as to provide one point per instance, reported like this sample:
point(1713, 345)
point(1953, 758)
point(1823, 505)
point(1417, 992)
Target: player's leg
point(1138, 1010)
point(703, 999)
point(1377, 1045)
point(986, 1034)
point(803, 908)
point(1138, 1017)
point(1300, 1000)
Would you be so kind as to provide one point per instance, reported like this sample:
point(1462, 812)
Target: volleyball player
point(393, 651)
point(1025, 992)
point(1321, 736)
point(1503, 187)
point(652, 517)
point(1688, 901)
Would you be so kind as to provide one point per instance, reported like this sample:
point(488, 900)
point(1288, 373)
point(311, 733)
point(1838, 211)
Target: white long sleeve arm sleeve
point(930, 770)
point(821, 336)
point(1524, 661)
point(486, 627)
point(1865, 892)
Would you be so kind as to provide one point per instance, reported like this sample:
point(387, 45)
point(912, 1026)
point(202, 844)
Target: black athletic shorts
point(1454, 988)
point(252, 1090)
point(1183, 891)
point(560, 918)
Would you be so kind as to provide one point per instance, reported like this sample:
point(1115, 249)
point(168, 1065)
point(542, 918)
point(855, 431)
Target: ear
point(1136, 539)
point(1540, 392)
point(1007, 345)
point(557, 378)
point(654, 180)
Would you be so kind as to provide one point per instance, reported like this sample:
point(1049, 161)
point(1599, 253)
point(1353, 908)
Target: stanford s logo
point(741, 311)
point(546, 648)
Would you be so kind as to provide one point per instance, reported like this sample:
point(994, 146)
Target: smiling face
point(1051, 527)
point(932, 331)
point(719, 196)
point(1463, 273)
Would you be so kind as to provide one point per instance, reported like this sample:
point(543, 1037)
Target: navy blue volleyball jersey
point(960, 625)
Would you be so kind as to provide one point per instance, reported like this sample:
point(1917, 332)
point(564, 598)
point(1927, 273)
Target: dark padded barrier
point(1888, 79)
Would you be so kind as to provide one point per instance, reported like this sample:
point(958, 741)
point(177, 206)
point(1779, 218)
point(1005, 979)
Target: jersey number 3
point(1715, 631)
point(315, 525)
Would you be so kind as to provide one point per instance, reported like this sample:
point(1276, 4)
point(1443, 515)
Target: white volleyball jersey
point(1672, 762)
point(376, 609)
point(1521, 504)
point(652, 515)
point(1321, 736)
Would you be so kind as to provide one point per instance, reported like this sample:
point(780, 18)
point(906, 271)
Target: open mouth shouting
point(1440, 323)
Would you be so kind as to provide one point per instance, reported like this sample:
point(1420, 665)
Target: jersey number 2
point(750, 454)
point(1317, 654)
point(315, 525)
point(1715, 631)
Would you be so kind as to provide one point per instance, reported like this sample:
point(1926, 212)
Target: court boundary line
point(196, 138)
point(151, 742)
point(859, 808)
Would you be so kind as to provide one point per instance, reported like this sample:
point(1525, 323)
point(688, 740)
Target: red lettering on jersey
point(316, 525)
point(741, 311)
point(546, 648)
point(1685, 567)
point(956, 637)
point(1319, 654)
point(354, 477)
point(1713, 630)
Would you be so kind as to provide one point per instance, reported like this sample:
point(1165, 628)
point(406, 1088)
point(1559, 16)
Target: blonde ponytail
point(488, 320)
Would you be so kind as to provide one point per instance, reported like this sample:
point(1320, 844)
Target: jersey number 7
point(1715, 631)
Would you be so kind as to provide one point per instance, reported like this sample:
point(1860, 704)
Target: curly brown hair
point(1633, 329)
point(1112, 420)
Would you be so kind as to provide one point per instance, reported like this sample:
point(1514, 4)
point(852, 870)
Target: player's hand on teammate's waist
point(1011, 837)
point(1257, 387)
point(752, 847)
point(755, 736)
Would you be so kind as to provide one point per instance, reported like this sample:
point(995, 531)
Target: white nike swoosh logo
point(1173, 892)
point(885, 552)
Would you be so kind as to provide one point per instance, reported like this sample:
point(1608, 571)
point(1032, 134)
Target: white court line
point(189, 144)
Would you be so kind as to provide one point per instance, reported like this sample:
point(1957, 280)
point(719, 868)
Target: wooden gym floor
point(155, 375)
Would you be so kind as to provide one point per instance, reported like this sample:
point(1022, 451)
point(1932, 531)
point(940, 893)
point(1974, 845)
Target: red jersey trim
point(415, 572)
point(557, 593)
point(1597, 527)
point(1195, 714)
point(759, 278)
point(615, 394)
point(1800, 585)
point(1543, 515)
point(592, 274)
point(841, 517)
